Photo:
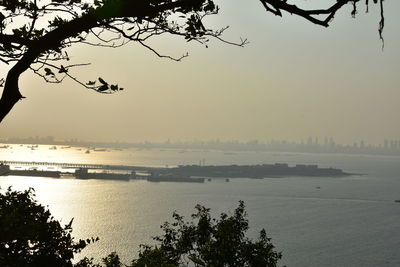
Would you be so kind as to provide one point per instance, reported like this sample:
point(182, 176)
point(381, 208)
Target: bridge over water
point(79, 165)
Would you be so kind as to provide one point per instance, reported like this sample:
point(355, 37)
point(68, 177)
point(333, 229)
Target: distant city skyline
point(301, 140)
point(311, 145)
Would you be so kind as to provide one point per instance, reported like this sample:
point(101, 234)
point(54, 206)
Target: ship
point(35, 173)
point(174, 178)
point(83, 173)
point(4, 169)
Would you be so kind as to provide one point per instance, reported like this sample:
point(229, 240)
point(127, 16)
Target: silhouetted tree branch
point(314, 15)
point(30, 236)
point(51, 26)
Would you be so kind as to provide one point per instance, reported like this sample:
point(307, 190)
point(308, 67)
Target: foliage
point(35, 34)
point(208, 242)
point(51, 26)
point(30, 236)
point(112, 260)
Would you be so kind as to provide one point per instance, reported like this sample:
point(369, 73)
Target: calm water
point(350, 221)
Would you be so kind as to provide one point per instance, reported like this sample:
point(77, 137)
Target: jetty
point(182, 173)
point(64, 165)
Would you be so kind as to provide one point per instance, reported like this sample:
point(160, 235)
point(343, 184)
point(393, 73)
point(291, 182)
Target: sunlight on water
point(41, 153)
point(89, 155)
point(315, 221)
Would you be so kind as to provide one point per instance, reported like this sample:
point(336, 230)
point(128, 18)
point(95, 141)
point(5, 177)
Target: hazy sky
point(293, 80)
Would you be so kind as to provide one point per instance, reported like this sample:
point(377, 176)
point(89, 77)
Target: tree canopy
point(209, 242)
point(30, 236)
point(34, 34)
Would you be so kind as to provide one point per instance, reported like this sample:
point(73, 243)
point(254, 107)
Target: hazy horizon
point(311, 142)
point(293, 80)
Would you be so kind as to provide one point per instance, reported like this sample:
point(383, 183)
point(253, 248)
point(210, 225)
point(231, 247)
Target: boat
point(4, 169)
point(83, 173)
point(35, 173)
point(100, 150)
point(397, 201)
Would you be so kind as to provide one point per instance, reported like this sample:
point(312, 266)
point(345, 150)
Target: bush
point(29, 236)
point(208, 242)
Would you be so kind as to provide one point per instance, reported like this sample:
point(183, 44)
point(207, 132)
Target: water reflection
point(310, 225)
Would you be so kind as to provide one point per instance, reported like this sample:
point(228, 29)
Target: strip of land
point(183, 173)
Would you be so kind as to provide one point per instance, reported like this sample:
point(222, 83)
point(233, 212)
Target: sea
point(314, 221)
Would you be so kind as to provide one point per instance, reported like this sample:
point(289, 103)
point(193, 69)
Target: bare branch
point(163, 56)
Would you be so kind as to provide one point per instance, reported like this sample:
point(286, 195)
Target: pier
point(79, 165)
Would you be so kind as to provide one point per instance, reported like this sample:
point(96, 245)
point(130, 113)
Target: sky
point(293, 80)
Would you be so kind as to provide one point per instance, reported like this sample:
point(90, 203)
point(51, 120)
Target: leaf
point(197, 261)
point(48, 71)
point(103, 81)
point(91, 83)
point(62, 69)
point(103, 88)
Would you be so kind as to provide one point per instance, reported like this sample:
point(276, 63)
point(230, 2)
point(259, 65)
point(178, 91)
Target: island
point(251, 171)
point(182, 173)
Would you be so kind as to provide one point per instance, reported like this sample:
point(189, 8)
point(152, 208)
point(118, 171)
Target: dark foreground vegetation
point(30, 236)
